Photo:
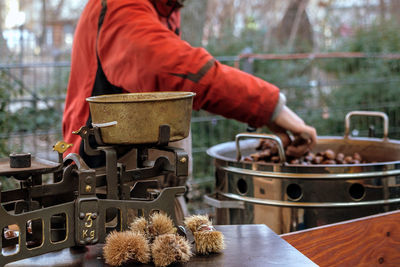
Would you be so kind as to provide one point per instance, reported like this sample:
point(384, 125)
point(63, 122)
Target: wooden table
point(367, 241)
point(246, 245)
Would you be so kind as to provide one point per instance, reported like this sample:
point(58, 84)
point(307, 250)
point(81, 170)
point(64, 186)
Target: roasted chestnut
point(267, 151)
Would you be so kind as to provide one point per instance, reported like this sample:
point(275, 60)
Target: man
point(134, 46)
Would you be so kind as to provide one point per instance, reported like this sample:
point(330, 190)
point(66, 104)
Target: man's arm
point(138, 54)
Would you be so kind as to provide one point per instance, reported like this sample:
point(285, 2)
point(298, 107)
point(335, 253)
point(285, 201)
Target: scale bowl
point(135, 118)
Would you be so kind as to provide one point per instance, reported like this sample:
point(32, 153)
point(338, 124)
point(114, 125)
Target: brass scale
point(82, 205)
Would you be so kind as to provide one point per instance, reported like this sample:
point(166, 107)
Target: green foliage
point(379, 38)
point(292, 77)
point(5, 122)
point(370, 83)
point(376, 39)
point(29, 119)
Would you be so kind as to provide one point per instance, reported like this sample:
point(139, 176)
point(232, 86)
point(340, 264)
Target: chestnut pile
point(267, 151)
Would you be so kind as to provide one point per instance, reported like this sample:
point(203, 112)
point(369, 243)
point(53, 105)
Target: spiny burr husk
point(170, 248)
point(160, 224)
point(195, 221)
point(139, 225)
point(209, 241)
point(121, 247)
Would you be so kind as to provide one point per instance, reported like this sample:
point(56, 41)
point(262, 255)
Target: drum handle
point(275, 138)
point(371, 114)
point(213, 201)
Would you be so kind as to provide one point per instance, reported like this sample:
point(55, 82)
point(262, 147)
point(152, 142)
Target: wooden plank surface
point(246, 245)
point(368, 241)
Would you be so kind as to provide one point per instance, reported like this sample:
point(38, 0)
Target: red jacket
point(134, 46)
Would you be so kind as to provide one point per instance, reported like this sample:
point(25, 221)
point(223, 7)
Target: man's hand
point(305, 137)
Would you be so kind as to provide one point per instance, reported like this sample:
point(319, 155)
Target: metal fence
point(35, 100)
point(321, 88)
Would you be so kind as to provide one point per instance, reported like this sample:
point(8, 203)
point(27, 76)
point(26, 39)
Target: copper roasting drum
point(294, 197)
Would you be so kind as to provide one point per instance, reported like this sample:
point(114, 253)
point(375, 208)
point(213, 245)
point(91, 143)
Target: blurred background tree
point(5, 97)
point(370, 83)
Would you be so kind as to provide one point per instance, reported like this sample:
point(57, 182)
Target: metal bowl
point(136, 118)
point(290, 197)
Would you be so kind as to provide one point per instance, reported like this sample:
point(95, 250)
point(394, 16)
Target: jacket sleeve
point(139, 54)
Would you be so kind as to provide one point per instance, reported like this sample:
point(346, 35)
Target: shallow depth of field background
point(328, 56)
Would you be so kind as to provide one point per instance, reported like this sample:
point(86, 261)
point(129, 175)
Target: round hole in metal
point(357, 191)
point(294, 191)
point(242, 186)
point(262, 191)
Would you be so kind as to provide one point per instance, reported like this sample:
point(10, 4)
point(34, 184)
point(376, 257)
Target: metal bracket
point(164, 135)
point(141, 189)
point(85, 132)
point(181, 160)
point(86, 223)
point(80, 163)
point(111, 172)
point(160, 166)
